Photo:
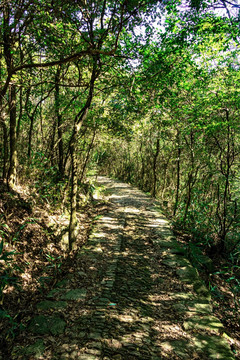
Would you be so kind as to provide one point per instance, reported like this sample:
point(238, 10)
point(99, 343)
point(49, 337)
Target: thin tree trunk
point(189, 195)
point(154, 167)
point(12, 172)
point(142, 166)
point(30, 138)
point(7, 42)
point(87, 156)
point(52, 143)
point(5, 149)
point(178, 175)
point(20, 113)
point(226, 173)
point(73, 225)
point(21, 91)
point(225, 200)
point(59, 124)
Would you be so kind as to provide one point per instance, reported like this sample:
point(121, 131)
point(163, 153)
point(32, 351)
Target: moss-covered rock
point(215, 347)
point(188, 274)
point(200, 288)
point(207, 323)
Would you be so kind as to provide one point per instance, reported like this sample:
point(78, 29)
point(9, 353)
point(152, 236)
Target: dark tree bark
point(4, 148)
point(12, 172)
point(178, 174)
point(88, 155)
point(155, 166)
point(59, 124)
point(7, 45)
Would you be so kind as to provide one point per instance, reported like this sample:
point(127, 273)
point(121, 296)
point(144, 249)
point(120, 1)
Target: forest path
point(136, 297)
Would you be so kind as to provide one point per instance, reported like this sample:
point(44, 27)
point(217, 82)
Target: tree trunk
point(178, 175)
point(5, 133)
point(12, 172)
point(79, 119)
point(154, 167)
point(5, 148)
point(73, 225)
point(30, 138)
point(59, 124)
point(226, 164)
point(87, 156)
point(227, 174)
point(7, 43)
point(52, 144)
point(189, 195)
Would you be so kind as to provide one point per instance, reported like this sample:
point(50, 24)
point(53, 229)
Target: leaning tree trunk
point(79, 119)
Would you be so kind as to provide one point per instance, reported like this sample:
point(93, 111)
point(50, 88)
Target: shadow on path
point(145, 300)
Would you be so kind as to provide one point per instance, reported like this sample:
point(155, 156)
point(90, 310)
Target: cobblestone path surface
point(140, 298)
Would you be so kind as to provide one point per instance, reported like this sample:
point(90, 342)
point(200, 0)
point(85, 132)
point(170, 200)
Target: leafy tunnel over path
point(136, 297)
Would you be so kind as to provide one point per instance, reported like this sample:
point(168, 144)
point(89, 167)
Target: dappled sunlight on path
point(144, 300)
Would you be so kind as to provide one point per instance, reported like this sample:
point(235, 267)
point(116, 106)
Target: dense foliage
point(145, 91)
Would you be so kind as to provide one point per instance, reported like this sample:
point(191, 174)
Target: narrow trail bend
point(141, 299)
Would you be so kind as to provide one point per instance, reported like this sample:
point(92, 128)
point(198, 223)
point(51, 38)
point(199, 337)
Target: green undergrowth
point(221, 273)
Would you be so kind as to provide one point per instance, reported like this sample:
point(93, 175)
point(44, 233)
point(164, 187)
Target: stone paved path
point(144, 299)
